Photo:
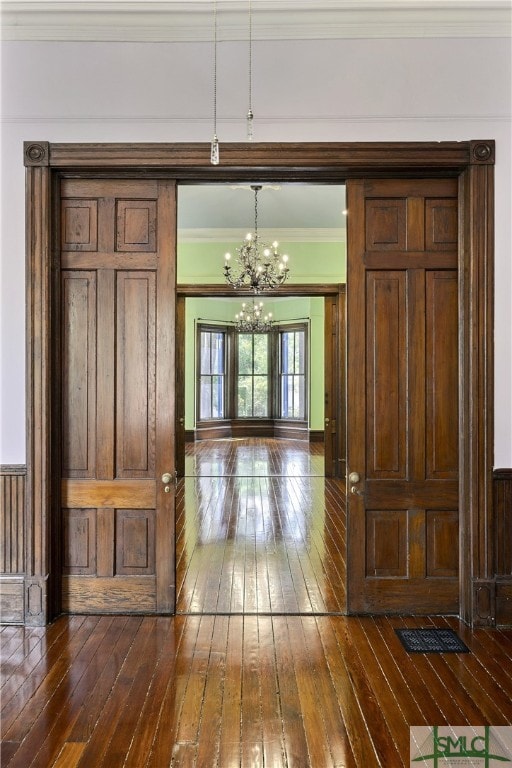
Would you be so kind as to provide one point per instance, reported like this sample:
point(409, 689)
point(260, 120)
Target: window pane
point(290, 349)
point(205, 351)
point(244, 353)
point(284, 397)
point(260, 353)
point(217, 353)
point(292, 395)
point(284, 353)
point(244, 396)
point(260, 396)
point(217, 397)
point(299, 352)
point(205, 402)
point(297, 397)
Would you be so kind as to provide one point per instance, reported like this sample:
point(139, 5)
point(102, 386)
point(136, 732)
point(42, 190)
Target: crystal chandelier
point(251, 320)
point(258, 267)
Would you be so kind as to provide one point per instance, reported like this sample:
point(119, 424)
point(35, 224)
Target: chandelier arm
point(258, 267)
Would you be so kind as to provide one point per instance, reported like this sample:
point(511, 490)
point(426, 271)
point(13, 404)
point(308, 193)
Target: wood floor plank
point(230, 735)
point(108, 662)
point(274, 750)
point(37, 653)
point(453, 671)
point(167, 651)
point(382, 741)
point(334, 725)
point(23, 711)
point(191, 709)
point(208, 737)
point(398, 711)
point(69, 756)
point(314, 727)
point(495, 704)
point(421, 684)
point(293, 725)
point(65, 705)
point(251, 724)
point(165, 742)
point(101, 742)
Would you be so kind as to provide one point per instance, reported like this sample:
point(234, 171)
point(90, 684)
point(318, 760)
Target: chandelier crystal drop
point(258, 267)
point(251, 320)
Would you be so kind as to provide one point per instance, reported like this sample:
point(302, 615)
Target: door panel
point(117, 338)
point(442, 378)
point(402, 381)
point(386, 360)
point(135, 374)
point(79, 373)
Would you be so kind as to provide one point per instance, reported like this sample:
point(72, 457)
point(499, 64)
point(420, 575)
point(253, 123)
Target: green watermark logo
point(444, 746)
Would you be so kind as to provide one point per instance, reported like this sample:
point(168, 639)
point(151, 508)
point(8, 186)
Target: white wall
point(326, 90)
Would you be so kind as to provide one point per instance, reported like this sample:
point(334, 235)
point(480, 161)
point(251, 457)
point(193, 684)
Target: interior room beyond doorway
point(259, 529)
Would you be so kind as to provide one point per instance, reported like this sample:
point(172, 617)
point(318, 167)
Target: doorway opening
point(259, 526)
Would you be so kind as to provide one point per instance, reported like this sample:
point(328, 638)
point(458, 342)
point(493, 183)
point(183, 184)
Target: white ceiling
point(191, 21)
point(286, 212)
point(293, 212)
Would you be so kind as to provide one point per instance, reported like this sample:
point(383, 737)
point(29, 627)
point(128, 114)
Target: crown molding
point(330, 119)
point(283, 235)
point(172, 21)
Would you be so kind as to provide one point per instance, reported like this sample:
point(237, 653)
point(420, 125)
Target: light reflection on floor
point(253, 457)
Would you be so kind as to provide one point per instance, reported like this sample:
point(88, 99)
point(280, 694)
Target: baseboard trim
point(252, 428)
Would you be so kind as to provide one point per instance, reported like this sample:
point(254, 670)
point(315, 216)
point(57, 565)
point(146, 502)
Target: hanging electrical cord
point(214, 151)
point(250, 115)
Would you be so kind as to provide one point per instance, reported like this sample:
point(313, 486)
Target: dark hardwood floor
point(244, 691)
point(259, 530)
point(252, 672)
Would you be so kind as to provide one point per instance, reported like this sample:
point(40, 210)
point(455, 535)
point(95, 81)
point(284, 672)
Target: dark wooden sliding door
point(403, 381)
point(117, 301)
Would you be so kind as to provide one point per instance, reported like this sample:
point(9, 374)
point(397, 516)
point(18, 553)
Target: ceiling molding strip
point(262, 120)
point(168, 21)
point(284, 235)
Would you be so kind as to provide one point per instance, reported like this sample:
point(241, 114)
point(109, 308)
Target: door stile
point(476, 397)
point(180, 386)
point(165, 398)
point(105, 360)
point(356, 460)
point(331, 367)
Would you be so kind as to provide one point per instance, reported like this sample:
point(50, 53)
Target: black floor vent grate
point(431, 641)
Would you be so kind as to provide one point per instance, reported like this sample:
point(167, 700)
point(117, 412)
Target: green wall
point(309, 262)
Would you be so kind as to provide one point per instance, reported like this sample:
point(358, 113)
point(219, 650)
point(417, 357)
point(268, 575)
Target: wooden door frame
point(472, 162)
point(204, 290)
